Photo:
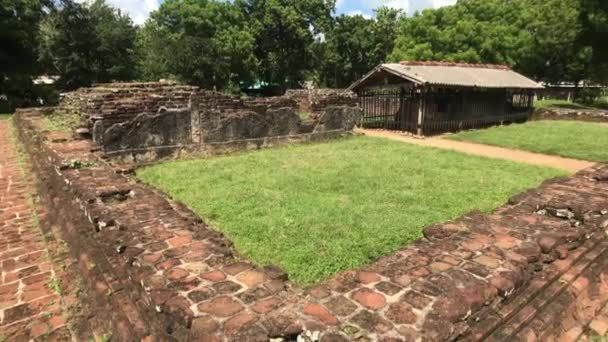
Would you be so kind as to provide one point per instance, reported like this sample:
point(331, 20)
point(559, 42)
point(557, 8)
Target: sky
point(139, 10)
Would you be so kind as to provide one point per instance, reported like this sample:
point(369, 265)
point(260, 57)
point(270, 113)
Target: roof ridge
point(455, 64)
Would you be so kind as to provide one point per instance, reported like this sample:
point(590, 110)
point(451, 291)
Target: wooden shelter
point(429, 98)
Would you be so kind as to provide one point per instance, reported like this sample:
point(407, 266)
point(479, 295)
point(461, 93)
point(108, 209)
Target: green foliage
point(355, 45)
point(318, 209)
point(55, 285)
point(540, 104)
point(572, 139)
point(205, 43)
point(18, 49)
point(64, 122)
point(284, 32)
point(86, 43)
point(541, 38)
point(116, 58)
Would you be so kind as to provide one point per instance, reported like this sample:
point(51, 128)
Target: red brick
point(236, 268)
point(320, 313)
point(203, 326)
point(238, 323)
point(251, 278)
point(368, 277)
point(214, 276)
point(180, 241)
point(266, 305)
point(176, 273)
point(370, 299)
point(401, 313)
point(221, 307)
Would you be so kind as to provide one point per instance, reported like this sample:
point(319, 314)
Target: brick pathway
point(29, 308)
point(519, 156)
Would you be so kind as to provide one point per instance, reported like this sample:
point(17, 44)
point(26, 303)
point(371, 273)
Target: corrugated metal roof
point(456, 74)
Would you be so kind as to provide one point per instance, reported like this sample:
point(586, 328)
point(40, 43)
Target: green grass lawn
point(540, 104)
point(573, 139)
point(318, 209)
point(5, 116)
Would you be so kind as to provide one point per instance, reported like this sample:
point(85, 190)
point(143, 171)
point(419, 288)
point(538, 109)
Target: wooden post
point(420, 112)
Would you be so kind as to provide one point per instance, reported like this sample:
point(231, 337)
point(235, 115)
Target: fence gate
point(389, 108)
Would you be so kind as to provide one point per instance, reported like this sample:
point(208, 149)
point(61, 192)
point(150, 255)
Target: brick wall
point(315, 101)
point(167, 117)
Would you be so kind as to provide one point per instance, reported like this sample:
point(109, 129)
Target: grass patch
point(540, 104)
point(63, 122)
point(572, 139)
point(5, 116)
point(304, 116)
point(318, 209)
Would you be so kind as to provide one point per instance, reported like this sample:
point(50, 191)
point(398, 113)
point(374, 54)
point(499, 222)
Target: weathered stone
point(547, 243)
point(320, 313)
point(371, 322)
point(226, 287)
point(401, 313)
point(238, 323)
point(283, 325)
point(266, 305)
point(203, 326)
point(201, 295)
point(341, 306)
point(251, 278)
point(214, 276)
point(388, 288)
point(416, 299)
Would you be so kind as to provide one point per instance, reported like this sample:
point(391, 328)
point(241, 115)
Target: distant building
point(429, 98)
point(565, 91)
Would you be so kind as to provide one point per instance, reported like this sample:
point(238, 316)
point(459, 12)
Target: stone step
point(541, 290)
point(547, 299)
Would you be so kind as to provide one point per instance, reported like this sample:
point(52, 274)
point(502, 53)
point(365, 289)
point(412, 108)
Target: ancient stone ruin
point(534, 269)
point(560, 113)
point(148, 121)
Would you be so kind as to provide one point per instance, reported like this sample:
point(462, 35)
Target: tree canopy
point(232, 45)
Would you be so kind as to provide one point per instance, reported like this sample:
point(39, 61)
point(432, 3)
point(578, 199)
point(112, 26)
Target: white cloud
point(409, 6)
point(359, 12)
point(138, 10)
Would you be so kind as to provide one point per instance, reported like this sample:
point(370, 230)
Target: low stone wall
point(315, 101)
point(555, 113)
point(139, 122)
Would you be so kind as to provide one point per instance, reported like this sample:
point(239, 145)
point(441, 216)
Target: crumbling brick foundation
point(140, 122)
point(511, 275)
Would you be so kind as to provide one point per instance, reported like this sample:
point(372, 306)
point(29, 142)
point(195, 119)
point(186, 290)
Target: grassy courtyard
point(572, 139)
point(318, 209)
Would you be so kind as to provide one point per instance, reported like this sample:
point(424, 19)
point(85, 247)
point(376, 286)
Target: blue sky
point(139, 10)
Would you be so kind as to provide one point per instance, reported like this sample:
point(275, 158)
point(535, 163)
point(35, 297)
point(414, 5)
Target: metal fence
point(398, 109)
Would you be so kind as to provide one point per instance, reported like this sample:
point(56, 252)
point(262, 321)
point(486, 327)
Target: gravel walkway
point(571, 165)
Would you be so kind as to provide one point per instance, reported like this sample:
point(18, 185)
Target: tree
point(354, 45)
point(540, 38)
point(205, 43)
point(594, 18)
point(18, 45)
point(116, 58)
point(284, 32)
point(87, 43)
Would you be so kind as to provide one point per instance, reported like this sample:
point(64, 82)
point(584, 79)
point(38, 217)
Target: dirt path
point(571, 165)
point(29, 289)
